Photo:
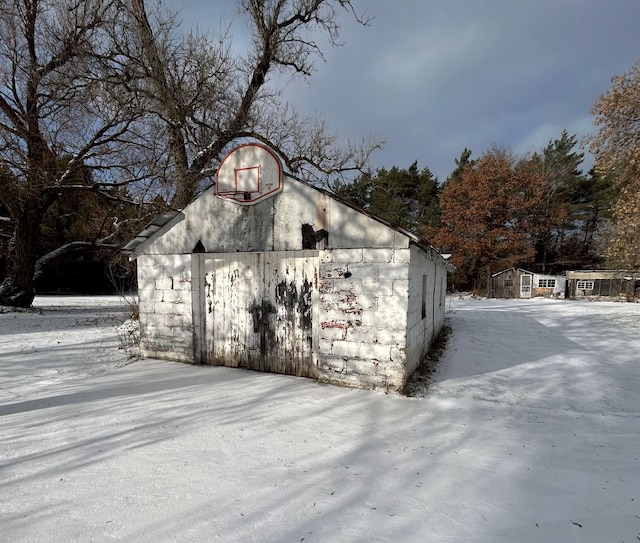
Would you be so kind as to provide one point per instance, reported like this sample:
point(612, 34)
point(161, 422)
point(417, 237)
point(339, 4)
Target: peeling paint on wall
point(261, 312)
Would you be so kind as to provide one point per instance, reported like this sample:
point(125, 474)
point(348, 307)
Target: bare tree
point(616, 147)
point(56, 117)
point(616, 144)
point(206, 97)
point(113, 88)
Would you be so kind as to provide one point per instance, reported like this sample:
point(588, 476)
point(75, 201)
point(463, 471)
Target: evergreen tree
point(570, 207)
point(461, 164)
point(407, 198)
point(358, 192)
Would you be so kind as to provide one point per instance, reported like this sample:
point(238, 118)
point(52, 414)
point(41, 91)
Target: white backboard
point(248, 174)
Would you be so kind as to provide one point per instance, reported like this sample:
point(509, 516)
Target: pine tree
point(407, 198)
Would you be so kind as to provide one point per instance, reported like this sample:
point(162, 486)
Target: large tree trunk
point(17, 288)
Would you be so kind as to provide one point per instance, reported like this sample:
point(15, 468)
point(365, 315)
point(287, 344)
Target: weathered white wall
point(362, 317)
point(259, 310)
point(273, 224)
point(426, 308)
point(164, 293)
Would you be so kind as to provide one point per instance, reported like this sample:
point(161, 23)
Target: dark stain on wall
point(262, 322)
point(305, 308)
point(287, 296)
point(297, 304)
point(311, 237)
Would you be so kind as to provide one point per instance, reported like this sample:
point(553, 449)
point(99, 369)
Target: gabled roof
point(148, 231)
point(522, 270)
point(511, 269)
point(155, 227)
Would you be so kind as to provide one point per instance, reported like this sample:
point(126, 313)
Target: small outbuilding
point(269, 273)
point(607, 283)
point(520, 283)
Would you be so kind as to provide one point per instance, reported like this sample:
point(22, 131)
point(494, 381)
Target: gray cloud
point(432, 78)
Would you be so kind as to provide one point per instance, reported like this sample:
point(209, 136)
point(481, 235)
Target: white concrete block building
point(268, 273)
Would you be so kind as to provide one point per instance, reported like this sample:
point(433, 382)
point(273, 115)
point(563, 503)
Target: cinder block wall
point(362, 317)
point(426, 311)
point(166, 322)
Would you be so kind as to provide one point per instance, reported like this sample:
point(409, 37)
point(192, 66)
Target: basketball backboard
point(248, 174)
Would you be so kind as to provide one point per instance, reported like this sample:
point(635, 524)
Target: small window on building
point(508, 282)
point(546, 283)
point(584, 285)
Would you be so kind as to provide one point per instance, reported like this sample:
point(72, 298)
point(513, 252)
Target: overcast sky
point(432, 77)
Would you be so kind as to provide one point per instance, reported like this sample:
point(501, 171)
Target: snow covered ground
point(531, 433)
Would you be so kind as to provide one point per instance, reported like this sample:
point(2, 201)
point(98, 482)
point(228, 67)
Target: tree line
point(541, 211)
point(110, 115)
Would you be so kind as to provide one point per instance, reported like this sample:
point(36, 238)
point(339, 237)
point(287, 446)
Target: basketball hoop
point(248, 174)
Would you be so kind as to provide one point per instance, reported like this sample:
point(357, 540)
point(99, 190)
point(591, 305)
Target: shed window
point(546, 283)
point(508, 282)
point(584, 285)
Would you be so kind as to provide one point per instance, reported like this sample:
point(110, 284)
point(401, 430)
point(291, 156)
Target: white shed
point(269, 273)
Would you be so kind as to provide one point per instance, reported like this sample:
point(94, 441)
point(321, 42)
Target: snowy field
point(531, 433)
